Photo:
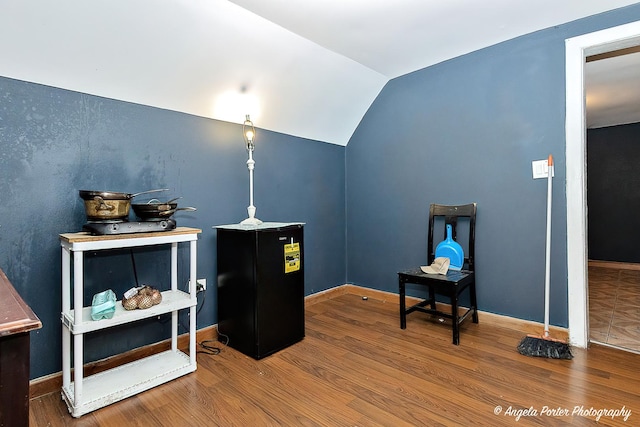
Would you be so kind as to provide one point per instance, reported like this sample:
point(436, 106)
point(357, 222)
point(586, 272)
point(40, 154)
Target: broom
point(545, 346)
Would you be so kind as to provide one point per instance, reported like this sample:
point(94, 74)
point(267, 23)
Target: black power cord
point(206, 344)
point(208, 348)
point(135, 272)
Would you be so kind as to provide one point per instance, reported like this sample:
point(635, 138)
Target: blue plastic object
point(103, 305)
point(451, 249)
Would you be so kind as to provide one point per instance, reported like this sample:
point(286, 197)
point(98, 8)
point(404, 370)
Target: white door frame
point(577, 49)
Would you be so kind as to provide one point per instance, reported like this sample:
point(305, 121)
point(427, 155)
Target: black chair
point(455, 282)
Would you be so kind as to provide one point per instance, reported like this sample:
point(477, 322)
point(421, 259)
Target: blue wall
point(55, 142)
point(466, 130)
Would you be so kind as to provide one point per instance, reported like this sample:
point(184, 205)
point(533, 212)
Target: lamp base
point(251, 221)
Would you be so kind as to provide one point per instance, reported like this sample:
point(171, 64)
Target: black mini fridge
point(261, 286)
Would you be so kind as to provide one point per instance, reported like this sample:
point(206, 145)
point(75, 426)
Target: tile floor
point(614, 307)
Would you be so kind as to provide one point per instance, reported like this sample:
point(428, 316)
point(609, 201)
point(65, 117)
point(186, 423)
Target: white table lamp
point(249, 134)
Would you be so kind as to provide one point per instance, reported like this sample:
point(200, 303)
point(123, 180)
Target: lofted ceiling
point(309, 68)
point(612, 83)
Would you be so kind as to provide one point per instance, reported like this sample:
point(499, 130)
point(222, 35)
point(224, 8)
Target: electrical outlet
point(201, 285)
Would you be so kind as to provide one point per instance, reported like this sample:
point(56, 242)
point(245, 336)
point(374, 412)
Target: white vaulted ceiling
point(309, 68)
point(612, 84)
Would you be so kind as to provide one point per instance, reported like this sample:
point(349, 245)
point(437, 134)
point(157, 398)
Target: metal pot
point(109, 205)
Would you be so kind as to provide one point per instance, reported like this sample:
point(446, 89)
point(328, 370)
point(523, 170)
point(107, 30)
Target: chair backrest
point(451, 215)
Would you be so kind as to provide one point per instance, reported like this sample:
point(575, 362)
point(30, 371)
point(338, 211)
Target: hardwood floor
point(356, 367)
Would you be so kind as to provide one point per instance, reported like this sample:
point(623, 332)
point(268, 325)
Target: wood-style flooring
point(356, 367)
point(614, 307)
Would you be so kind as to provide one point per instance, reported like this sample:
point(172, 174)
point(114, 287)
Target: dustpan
point(451, 249)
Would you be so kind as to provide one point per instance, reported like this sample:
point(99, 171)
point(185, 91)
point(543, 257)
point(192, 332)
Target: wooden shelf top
point(84, 236)
point(15, 315)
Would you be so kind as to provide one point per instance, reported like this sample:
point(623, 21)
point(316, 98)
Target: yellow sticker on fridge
point(291, 257)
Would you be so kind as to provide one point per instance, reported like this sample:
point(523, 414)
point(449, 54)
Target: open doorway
point(613, 154)
point(577, 50)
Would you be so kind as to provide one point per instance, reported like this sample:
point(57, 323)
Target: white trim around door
point(577, 49)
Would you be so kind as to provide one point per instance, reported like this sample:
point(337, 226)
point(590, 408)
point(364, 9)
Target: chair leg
point(474, 301)
point(403, 311)
point(455, 319)
point(432, 298)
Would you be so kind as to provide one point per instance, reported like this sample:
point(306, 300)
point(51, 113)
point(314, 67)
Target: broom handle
point(547, 266)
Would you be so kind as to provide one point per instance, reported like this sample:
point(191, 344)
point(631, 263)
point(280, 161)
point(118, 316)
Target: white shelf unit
point(84, 395)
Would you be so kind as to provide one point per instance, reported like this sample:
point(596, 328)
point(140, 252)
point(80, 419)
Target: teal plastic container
point(103, 305)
